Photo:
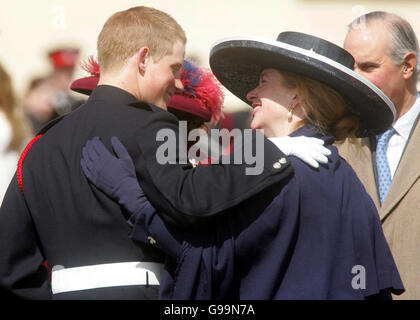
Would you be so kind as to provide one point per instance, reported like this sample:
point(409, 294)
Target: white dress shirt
point(397, 142)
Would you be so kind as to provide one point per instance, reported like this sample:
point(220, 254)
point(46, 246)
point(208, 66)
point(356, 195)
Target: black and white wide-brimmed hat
point(237, 63)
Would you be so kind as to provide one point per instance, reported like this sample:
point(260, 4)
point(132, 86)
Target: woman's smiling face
point(271, 102)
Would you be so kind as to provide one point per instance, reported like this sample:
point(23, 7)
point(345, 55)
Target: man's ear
point(143, 58)
point(409, 65)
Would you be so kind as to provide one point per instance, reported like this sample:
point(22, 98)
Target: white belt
point(105, 275)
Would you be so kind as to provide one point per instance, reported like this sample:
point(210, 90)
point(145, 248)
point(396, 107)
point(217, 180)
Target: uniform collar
point(117, 96)
point(113, 95)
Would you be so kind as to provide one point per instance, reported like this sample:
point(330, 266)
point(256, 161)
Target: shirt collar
point(405, 123)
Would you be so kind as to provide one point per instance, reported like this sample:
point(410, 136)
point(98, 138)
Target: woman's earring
point(290, 114)
point(291, 108)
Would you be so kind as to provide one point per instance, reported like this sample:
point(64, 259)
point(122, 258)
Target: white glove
point(309, 150)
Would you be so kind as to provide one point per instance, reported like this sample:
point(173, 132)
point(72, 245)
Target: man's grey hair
point(403, 38)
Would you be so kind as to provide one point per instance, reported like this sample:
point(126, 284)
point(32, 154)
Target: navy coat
point(316, 236)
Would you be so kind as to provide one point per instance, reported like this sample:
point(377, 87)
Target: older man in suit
point(386, 52)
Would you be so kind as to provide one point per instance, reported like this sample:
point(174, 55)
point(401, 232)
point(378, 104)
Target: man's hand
point(309, 150)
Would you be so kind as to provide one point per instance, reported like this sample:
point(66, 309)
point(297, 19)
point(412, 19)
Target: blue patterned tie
point(382, 166)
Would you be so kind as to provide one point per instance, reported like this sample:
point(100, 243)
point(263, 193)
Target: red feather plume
point(201, 85)
point(91, 66)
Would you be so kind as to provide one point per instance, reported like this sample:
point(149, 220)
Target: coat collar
point(117, 96)
point(113, 95)
point(309, 130)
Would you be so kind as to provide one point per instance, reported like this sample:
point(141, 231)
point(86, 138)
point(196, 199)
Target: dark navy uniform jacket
point(316, 236)
point(60, 217)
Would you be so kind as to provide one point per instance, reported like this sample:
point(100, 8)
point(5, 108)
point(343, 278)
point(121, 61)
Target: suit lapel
point(407, 173)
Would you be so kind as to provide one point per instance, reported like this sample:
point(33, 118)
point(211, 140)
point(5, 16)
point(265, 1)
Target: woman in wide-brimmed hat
point(322, 88)
point(318, 236)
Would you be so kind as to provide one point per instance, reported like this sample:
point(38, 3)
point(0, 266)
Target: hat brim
point(189, 105)
point(237, 63)
point(84, 85)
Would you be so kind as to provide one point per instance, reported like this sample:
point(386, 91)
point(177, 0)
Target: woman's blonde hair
point(125, 32)
point(19, 125)
point(323, 107)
